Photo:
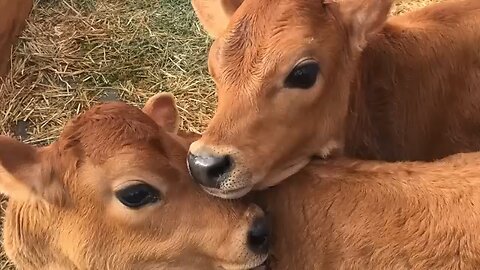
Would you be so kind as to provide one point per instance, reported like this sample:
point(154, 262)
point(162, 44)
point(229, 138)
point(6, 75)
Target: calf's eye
point(303, 75)
point(138, 195)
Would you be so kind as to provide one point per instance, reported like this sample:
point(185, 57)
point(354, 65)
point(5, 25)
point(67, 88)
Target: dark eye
point(303, 75)
point(138, 195)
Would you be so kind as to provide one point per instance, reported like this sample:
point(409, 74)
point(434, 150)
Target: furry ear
point(361, 18)
point(214, 15)
point(26, 172)
point(162, 109)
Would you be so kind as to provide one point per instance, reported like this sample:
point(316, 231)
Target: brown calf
point(346, 214)
point(114, 193)
point(13, 16)
point(301, 78)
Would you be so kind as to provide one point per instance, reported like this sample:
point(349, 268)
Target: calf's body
point(374, 215)
point(416, 89)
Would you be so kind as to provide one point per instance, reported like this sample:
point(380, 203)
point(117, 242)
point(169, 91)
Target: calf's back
point(372, 215)
point(416, 91)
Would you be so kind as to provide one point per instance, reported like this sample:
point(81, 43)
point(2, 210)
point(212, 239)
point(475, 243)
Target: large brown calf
point(113, 192)
point(13, 16)
point(347, 214)
point(302, 78)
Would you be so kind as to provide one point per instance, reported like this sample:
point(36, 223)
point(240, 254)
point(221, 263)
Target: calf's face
point(282, 70)
point(114, 193)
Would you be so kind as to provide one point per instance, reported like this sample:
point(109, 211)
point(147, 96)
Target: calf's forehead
point(136, 158)
point(259, 21)
point(106, 129)
point(264, 35)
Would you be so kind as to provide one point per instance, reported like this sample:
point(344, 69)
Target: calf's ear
point(214, 15)
point(361, 18)
point(162, 108)
point(27, 173)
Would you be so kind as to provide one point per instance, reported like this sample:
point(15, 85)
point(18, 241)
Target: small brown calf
point(303, 78)
point(13, 16)
point(113, 192)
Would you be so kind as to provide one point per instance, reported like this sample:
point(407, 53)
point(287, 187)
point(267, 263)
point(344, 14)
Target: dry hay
point(403, 6)
point(76, 53)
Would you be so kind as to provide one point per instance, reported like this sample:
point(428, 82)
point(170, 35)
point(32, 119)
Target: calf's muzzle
point(258, 238)
point(209, 170)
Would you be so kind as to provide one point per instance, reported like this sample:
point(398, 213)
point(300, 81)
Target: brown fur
point(374, 215)
point(414, 82)
point(13, 16)
point(422, 109)
point(63, 214)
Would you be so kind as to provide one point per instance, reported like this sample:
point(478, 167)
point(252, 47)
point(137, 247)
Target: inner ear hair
point(360, 18)
point(26, 172)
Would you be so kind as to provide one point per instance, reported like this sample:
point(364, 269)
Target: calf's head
point(282, 70)
point(113, 192)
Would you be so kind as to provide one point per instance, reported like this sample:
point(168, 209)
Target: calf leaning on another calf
point(300, 78)
point(113, 192)
point(352, 214)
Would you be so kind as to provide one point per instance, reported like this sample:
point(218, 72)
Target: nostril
point(218, 168)
point(209, 171)
point(258, 237)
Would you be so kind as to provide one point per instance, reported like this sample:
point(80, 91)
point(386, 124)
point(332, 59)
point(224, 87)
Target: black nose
point(209, 171)
point(258, 236)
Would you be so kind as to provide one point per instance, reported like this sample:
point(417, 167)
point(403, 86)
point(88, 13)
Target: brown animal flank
point(13, 18)
point(375, 215)
point(325, 77)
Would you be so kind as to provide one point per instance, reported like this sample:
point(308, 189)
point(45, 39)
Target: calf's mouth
point(228, 194)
